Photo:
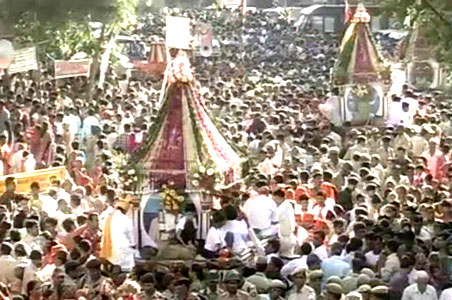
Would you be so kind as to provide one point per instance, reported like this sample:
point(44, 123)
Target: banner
point(44, 177)
point(178, 32)
point(23, 60)
point(72, 68)
point(229, 3)
point(205, 36)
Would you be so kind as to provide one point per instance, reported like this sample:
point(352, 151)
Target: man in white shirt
point(31, 270)
point(235, 231)
point(261, 212)
point(420, 290)
point(215, 238)
point(392, 262)
point(88, 123)
point(7, 264)
point(446, 294)
point(287, 224)
point(318, 241)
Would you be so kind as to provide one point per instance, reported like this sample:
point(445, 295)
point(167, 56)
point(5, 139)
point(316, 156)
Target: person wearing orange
point(118, 240)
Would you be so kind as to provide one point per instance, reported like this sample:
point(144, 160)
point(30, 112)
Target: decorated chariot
point(360, 75)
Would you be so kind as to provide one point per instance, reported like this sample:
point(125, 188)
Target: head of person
point(218, 219)
point(299, 277)
point(147, 283)
point(336, 249)
point(273, 246)
point(317, 178)
point(72, 269)
point(339, 226)
point(58, 277)
point(318, 238)
point(275, 264)
point(10, 184)
point(94, 269)
point(277, 289)
point(232, 280)
point(278, 196)
point(32, 227)
point(334, 291)
point(313, 262)
point(315, 280)
point(36, 258)
point(6, 248)
point(352, 183)
point(123, 206)
point(422, 278)
point(213, 278)
point(34, 290)
point(433, 144)
point(320, 198)
point(182, 288)
point(93, 220)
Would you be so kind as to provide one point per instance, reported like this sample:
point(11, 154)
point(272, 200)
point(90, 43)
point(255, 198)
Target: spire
point(361, 15)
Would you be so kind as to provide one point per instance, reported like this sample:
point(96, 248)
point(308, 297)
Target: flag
point(348, 12)
point(243, 7)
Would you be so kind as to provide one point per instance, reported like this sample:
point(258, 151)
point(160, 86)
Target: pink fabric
point(169, 161)
point(436, 163)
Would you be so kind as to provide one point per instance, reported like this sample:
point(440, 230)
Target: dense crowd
point(322, 212)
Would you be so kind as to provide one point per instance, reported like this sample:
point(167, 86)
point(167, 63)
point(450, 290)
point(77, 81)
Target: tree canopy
point(64, 27)
point(433, 16)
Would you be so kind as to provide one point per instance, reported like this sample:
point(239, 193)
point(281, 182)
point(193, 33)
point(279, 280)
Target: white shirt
point(306, 293)
point(122, 239)
point(261, 212)
point(293, 265)
point(413, 293)
point(286, 218)
point(321, 252)
point(392, 265)
point(74, 124)
point(214, 240)
point(7, 265)
point(372, 258)
point(30, 163)
point(239, 229)
point(181, 224)
point(29, 275)
point(88, 122)
point(446, 294)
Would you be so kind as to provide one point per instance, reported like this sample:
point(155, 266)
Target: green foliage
point(433, 16)
point(63, 27)
point(58, 11)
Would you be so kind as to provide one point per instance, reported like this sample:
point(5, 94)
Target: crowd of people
point(322, 212)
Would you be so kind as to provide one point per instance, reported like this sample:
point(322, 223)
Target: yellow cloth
point(106, 250)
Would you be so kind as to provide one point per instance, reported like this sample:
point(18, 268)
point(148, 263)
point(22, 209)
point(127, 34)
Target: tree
point(433, 16)
point(65, 27)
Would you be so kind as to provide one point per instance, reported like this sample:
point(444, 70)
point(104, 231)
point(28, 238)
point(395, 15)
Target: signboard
point(205, 36)
point(43, 177)
point(23, 60)
point(72, 68)
point(178, 32)
point(229, 3)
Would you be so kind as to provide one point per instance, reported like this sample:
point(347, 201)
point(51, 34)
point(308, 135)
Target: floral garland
point(180, 69)
point(218, 150)
point(206, 177)
point(171, 200)
point(225, 150)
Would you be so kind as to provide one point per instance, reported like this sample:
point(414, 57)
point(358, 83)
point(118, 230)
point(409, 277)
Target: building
point(330, 16)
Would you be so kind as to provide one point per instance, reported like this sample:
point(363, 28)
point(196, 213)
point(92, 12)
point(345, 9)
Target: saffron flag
point(348, 12)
